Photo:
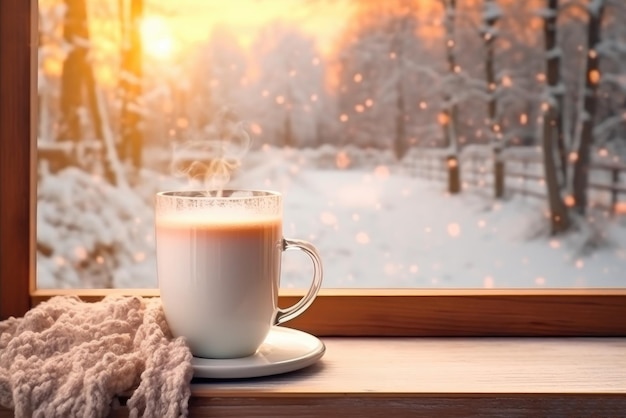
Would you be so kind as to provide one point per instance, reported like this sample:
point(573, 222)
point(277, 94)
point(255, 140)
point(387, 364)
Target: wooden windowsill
point(383, 377)
point(370, 377)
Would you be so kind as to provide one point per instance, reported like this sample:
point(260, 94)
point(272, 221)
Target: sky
point(192, 20)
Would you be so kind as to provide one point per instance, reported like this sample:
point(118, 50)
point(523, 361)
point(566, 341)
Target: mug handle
point(291, 312)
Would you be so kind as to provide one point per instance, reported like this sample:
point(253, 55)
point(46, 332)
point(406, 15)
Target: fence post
point(524, 169)
point(498, 172)
point(454, 176)
point(615, 178)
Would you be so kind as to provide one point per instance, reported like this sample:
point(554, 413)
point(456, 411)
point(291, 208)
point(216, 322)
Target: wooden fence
point(517, 173)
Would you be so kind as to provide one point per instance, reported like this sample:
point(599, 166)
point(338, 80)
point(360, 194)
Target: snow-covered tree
point(552, 122)
point(610, 125)
point(489, 33)
point(218, 80)
point(591, 70)
point(131, 86)
point(388, 94)
point(288, 86)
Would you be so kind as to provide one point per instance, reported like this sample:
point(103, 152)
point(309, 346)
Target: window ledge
point(430, 376)
point(379, 377)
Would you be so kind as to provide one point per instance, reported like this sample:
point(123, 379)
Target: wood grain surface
point(447, 377)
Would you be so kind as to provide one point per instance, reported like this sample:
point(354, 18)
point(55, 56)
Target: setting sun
point(157, 37)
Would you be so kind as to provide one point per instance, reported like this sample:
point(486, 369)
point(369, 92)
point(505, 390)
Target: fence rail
point(514, 173)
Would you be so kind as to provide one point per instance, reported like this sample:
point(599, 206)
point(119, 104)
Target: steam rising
point(213, 158)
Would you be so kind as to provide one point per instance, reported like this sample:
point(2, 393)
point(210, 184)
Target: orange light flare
point(139, 256)
point(362, 238)
point(454, 230)
point(488, 282)
point(80, 253)
point(569, 201)
point(256, 129)
point(620, 208)
point(382, 172)
point(328, 218)
point(342, 160)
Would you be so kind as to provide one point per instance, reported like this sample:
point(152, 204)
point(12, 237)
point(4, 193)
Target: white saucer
point(284, 350)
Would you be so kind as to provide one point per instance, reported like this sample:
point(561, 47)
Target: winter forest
point(340, 105)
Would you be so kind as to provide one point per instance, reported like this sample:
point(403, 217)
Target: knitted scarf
point(68, 358)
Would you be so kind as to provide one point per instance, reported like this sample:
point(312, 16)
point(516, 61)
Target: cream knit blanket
point(68, 358)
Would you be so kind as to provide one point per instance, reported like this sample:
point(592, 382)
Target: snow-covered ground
point(374, 222)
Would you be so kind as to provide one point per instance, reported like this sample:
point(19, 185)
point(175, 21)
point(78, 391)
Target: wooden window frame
point(348, 312)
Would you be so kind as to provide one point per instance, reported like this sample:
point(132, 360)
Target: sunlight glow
point(342, 160)
point(157, 36)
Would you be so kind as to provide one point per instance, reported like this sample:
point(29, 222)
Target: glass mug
point(218, 266)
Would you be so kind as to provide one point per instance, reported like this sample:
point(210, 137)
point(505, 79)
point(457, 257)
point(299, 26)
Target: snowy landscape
point(341, 106)
point(375, 224)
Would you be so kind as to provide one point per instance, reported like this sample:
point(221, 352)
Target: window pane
point(417, 143)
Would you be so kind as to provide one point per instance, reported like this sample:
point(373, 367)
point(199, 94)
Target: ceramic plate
point(284, 350)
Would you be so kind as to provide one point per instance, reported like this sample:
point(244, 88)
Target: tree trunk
point(400, 135)
point(289, 139)
point(131, 134)
point(581, 167)
point(75, 33)
point(559, 215)
point(491, 15)
point(450, 111)
point(400, 144)
point(489, 35)
point(78, 84)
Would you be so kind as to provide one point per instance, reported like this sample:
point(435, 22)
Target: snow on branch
point(594, 7)
point(618, 80)
point(546, 13)
point(492, 12)
point(554, 53)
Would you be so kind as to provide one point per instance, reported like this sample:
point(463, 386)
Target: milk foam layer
point(215, 219)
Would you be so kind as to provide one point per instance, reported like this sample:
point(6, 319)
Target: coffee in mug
point(218, 264)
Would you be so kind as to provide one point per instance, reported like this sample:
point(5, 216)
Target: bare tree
point(77, 79)
point(81, 113)
point(450, 111)
point(491, 15)
point(131, 143)
point(402, 30)
point(552, 123)
point(592, 78)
